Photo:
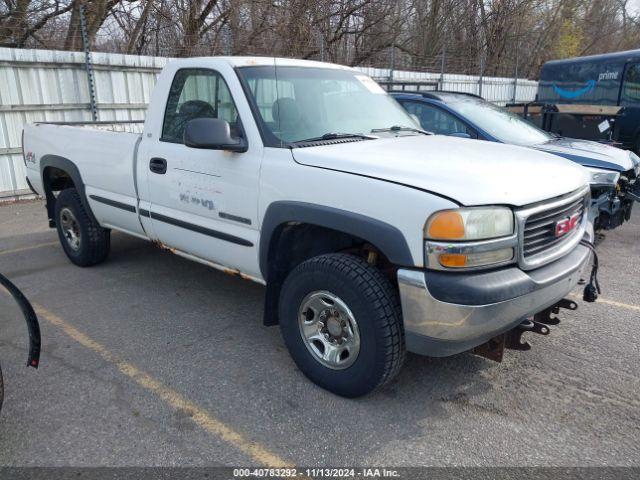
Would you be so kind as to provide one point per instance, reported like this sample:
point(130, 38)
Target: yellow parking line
point(200, 416)
point(611, 302)
point(31, 247)
point(618, 304)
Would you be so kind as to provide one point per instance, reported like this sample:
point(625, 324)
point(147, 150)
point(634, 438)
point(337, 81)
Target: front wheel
point(341, 321)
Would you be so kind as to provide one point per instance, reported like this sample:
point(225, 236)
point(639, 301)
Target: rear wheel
point(341, 321)
point(84, 241)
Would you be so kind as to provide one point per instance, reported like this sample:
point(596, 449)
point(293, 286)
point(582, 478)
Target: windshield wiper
point(399, 128)
point(334, 136)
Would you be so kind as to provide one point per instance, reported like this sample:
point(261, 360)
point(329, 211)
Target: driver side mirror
point(212, 134)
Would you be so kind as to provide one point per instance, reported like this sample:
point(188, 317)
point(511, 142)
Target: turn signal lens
point(453, 260)
point(476, 223)
point(447, 225)
point(479, 259)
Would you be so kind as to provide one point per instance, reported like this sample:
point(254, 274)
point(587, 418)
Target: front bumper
point(447, 313)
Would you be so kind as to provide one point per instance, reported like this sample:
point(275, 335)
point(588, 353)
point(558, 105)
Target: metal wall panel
point(43, 85)
point(498, 90)
point(50, 85)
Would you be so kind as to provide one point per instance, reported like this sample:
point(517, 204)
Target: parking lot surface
point(150, 359)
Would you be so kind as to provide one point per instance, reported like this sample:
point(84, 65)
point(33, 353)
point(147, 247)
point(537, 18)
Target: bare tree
point(22, 19)
point(464, 35)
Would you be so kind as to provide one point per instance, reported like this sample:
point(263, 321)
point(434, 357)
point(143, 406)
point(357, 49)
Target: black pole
point(88, 63)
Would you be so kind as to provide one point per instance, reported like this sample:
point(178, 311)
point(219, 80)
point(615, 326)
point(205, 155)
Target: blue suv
point(614, 172)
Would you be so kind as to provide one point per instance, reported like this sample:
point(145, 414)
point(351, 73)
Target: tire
point(84, 241)
point(359, 292)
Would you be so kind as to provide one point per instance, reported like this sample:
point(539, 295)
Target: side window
point(197, 93)
point(631, 85)
point(436, 120)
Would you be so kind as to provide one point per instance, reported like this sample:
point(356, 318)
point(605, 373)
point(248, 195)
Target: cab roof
point(268, 61)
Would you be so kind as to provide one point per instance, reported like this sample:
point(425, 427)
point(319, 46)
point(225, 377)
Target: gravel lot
point(149, 359)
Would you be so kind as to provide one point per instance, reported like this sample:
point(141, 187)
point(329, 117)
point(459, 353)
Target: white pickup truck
point(373, 237)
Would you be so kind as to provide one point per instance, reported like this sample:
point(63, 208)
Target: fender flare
point(33, 360)
point(71, 168)
point(387, 238)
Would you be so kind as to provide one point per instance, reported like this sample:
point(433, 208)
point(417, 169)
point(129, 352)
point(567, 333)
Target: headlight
point(468, 238)
point(470, 224)
point(603, 177)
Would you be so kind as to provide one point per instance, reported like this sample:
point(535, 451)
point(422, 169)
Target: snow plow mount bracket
point(494, 348)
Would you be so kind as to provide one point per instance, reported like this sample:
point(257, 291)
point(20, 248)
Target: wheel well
point(54, 180)
point(292, 243)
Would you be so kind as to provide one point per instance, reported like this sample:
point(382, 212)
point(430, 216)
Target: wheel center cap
point(334, 327)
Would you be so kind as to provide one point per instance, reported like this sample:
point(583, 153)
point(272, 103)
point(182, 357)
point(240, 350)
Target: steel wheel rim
point(70, 228)
point(329, 330)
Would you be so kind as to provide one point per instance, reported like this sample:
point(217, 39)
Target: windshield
point(507, 127)
point(307, 102)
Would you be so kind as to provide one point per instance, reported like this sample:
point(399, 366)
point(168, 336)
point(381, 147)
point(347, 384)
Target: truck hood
point(471, 172)
point(589, 154)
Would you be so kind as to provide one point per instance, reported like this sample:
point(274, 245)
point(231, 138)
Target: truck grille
point(538, 241)
point(539, 229)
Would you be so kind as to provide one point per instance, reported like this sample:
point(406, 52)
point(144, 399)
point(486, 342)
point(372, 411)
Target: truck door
point(203, 202)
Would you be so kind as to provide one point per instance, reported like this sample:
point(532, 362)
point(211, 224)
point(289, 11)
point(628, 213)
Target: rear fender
point(72, 170)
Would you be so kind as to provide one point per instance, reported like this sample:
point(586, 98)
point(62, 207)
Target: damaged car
point(614, 172)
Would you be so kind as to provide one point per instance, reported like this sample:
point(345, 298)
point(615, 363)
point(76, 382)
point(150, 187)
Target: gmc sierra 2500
point(372, 236)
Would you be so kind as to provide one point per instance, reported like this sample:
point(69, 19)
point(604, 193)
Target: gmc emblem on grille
point(565, 225)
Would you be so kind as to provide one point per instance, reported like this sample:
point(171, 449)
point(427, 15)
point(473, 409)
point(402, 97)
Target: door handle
point(158, 165)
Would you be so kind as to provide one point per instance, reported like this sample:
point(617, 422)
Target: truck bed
point(104, 153)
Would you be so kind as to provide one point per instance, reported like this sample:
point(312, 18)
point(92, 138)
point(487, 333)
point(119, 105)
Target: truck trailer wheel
point(341, 321)
point(85, 242)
